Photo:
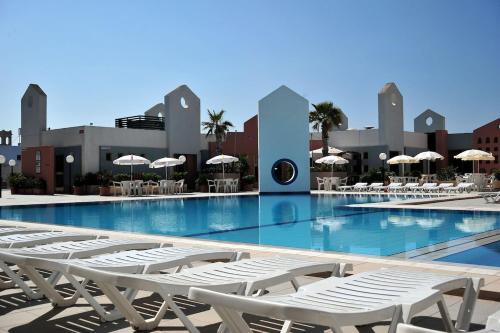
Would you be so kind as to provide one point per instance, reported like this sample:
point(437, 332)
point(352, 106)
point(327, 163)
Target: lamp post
point(70, 159)
point(2, 161)
point(12, 164)
point(383, 157)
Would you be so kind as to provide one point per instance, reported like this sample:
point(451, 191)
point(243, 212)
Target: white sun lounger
point(461, 187)
point(359, 299)
point(492, 326)
point(441, 187)
point(407, 187)
point(491, 197)
point(355, 187)
point(5, 231)
point(39, 238)
point(243, 277)
point(426, 187)
point(373, 185)
point(135, 262)
point(391, 187)
point(63, 250)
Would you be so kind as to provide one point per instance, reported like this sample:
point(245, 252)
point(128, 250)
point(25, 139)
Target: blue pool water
point(488, 255)
point(298, 221)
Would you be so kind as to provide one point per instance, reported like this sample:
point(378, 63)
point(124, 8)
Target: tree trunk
point(324, 138)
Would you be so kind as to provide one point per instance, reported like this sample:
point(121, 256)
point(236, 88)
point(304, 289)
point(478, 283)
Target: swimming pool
point(297, 221)
point(487, 255)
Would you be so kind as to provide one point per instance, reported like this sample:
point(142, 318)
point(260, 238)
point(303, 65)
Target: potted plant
point(15, 182)
point(91, 183)
point(104, 179)
point(247, 182)
point(202, 183)
point(446, 175)
point(39, 186)
point(78, 184)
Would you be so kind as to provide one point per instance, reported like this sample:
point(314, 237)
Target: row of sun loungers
point(409, 187)
point(232, 287)
point(491, 197)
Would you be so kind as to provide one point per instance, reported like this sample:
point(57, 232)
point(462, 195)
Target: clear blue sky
point(98, 60)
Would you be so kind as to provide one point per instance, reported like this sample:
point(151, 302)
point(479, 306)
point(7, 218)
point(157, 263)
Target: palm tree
point(325, 116)
point(217, 126)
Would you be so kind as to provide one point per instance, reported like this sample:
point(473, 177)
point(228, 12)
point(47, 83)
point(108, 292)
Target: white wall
point(354, 138)
point(284, 133)
point(415, 140)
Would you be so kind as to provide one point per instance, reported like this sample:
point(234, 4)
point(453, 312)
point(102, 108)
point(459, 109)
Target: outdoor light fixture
point(70, 159)
point(12, 164)
point(383, 157)
point(2, 161)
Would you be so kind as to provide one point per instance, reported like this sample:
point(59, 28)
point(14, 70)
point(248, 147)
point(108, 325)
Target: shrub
point(151, 176)
point(248, 179)
point(91, 178)
point(120, 177)
point(104, 178)
point(446, 174)
point(78, 181)
point(179, 175)
point(202, 179)
point(17, 180)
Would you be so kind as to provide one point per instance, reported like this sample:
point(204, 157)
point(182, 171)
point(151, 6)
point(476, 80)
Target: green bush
point(78, 181)
point(17, 180)
point(179, 175)
point(120, 177)
point(91, 178)
point(202, 179)
point(248, 179)
point(104, 178)
point(151, 176)
point(446, 174)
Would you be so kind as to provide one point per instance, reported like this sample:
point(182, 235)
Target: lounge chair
point(373, 185)
point(135, 262)
point(461, 187)
point(5, 231)
point(491, 197)
point(39, 238)
point(63, 250)
point(391, 187)
point(441, 187)
point(355, 187)
point(492, 326)
point(243, 277)
point(426, 187)
point(359, 299)
point(407, 187)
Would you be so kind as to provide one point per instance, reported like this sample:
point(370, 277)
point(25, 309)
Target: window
point(284, 171)
point(38, 163)
point(487, 148)
point(495, 140)
point(108, 156)
point(495, 148)
point(365, 155)
point(365, 168)
point(18, 157)
point(487, 139)
point(479, 141)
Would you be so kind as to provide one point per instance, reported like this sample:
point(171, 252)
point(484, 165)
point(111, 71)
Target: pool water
point(488, 255)
point(296, 221)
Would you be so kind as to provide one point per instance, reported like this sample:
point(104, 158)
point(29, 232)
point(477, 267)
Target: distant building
point(10, 152)
point(486, 138)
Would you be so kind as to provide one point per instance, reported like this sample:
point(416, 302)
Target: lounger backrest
point(465, 184)
point(430, 184)
point(360, 184)
point(376, 184)
point(395, 184)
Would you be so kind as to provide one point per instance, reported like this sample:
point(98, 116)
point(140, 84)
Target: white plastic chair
point(321, 183)
point(179, 186)
point(211, 184)
point(235, 185)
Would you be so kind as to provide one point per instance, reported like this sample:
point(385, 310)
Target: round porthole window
point(284, 171)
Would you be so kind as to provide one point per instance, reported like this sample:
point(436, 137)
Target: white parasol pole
point(166, 172)
point(223, 169)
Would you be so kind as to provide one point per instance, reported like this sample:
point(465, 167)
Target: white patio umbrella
point(332, 159)
point(429, 156)
point(165, 162)
point(131, 160)
point(222, 159)
point(475, 155)
point(331, 150)
point(402, 159)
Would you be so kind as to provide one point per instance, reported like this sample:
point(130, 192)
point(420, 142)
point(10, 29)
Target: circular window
point(184, 104)
point(284, 171)
point(429, 121)
point(393, 99)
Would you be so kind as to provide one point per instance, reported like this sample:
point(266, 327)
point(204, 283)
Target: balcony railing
point(141, 122)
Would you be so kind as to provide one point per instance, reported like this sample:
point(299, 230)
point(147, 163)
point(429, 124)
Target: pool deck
point(19, 315)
